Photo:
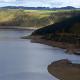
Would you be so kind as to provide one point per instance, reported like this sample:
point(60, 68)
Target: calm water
point(22, 60)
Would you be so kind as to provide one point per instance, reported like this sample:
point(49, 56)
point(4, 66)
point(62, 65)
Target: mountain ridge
point(40, 8)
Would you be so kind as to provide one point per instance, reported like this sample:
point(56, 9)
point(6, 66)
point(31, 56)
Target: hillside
point(66, 33)
point(70, 25)
point(33, 18)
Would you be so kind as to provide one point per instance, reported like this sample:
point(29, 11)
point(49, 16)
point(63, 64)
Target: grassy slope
point(32, 18)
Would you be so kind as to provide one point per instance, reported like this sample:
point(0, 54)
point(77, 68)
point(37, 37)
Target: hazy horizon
point(37, 6)
point(40, 3)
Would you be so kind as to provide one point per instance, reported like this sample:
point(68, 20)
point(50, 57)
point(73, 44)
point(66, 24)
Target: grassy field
point(32, 18)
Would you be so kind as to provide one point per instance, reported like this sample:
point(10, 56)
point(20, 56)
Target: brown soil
point(65, 70)
point(70, 48)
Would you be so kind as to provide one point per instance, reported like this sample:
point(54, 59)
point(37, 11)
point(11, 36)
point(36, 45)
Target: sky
point(40, 3)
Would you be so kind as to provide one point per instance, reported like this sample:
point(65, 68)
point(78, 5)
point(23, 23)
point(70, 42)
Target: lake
point(22, 60)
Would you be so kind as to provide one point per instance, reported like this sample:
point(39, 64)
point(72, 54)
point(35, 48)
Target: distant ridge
point(40, 8)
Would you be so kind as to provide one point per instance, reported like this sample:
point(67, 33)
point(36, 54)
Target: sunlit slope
point(33, 18)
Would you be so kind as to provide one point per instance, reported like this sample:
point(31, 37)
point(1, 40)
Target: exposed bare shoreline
point(70, 48)
point(17, 27)
point(62, 69)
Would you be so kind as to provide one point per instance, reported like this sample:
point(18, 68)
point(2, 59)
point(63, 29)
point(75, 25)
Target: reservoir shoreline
point(17, 28)
point(70, 48)
point(62, 69)
point(24, 55)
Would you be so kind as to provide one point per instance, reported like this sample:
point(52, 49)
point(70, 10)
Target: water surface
point(22, 60)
